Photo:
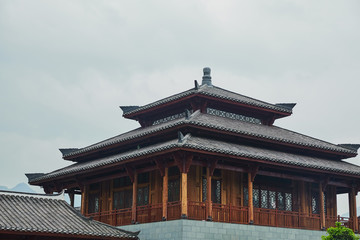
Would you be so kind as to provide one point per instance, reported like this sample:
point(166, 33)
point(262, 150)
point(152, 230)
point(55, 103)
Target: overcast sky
point(67, 66)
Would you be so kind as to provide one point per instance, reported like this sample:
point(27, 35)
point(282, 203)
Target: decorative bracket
point(183, 161)
point(253, 170)
point(212, 166)
point(130, 172)
point(160, 166)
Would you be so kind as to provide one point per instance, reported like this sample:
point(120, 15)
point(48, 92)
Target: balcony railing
point(220, 213)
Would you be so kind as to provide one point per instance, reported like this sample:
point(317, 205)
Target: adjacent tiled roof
point(35, 213)
point(224, 124)
point(216, 92)
point(211, 146)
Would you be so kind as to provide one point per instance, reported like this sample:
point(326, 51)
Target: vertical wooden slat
point(250, 200)
point(134, 198)
point(322, 212)
point(165, 193)
point(208, 194)
point(241, 189)
point(184, 199)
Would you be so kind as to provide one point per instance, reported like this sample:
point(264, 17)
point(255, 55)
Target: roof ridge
point(58, 196)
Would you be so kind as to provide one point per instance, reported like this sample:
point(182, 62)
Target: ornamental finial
point(206, 79)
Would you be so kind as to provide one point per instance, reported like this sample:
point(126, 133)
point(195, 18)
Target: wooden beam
point(165, 193)
point(212, 167)
point(72, 198)
point(183, 161)
point(253, 170)
point(250, 199)
point(184, 200)
point(134, 197)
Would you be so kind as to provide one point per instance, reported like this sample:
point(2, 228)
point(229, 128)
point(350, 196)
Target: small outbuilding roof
point(34, 214)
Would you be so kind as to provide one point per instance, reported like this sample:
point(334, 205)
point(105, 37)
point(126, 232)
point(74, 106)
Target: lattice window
point(93, 203)
point(315, 203)
point(122, 199)
point(215, 190)
point(246, 197)
point(264, 198)
point(170, 118)
point(288, 201)
point(143, 196)
point(204, 189)
point(174, 190)
point(280, 201)
point(272, 199)
point(256, 198)
point(230, 115)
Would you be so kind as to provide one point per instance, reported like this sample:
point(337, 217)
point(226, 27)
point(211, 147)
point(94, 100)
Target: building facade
point(210, 154)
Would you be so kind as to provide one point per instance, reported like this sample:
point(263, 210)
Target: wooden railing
point(220, 213)
point(230, 214)
point(174, 210)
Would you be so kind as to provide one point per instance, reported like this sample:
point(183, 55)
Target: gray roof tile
point(216, 92)
point(35, 213)
point(225, 124)
point(211, 146)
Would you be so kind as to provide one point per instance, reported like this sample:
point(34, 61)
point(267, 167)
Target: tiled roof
point(35, 213)
point(224, 124)
point(211, 146)
point(216, 92)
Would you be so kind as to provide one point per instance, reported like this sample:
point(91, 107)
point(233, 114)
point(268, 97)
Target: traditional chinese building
point(210, 154)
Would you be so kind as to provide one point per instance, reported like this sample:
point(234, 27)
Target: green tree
point(340, 233)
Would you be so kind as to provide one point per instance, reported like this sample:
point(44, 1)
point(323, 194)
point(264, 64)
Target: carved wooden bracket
point(161, 166)
point(212, 166)
point(130, 172)
point(183, 161)
point(253, 170)
point(325, 182)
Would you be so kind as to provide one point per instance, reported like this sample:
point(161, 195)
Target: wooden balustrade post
point(250, 199)
point(184, 199)
point(322, 212)
point(165, 193)
point(208, 194)
point(134, 198)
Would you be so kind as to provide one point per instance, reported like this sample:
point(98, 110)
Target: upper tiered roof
point(207, 94)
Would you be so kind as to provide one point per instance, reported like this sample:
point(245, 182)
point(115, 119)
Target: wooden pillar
point(208, 194)
point(184, 198)
point(352, 208)
point(83, 197)
point(134, 197)
point(72, 198)
point(322, 212)
point(250, 199)
point(165, 193)
point(302, 196)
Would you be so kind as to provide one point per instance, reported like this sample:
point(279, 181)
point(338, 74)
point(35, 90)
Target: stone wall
point(190, 229)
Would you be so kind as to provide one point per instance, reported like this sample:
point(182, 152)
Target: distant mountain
point(21, 187)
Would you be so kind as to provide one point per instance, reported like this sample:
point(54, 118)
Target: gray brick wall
point(190, 229)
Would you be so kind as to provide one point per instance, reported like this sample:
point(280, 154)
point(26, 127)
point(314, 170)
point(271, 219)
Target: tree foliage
point(340, 233)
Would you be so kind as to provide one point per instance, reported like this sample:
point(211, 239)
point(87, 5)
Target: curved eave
point(182, 123)
point(136, 115)
point(211, 147)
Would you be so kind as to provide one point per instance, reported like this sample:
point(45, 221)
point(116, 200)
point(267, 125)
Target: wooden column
point(134, 197)
point(165, 193)
point(208, 194)
point(72, 198)
point(83, 197)
point(184, 198)
point(352, 208)
point(250, 200)
point(302, 196)
point(322, 212)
